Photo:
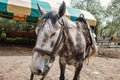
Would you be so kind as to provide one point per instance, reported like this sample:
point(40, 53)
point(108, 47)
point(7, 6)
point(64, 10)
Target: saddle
point(86, 31)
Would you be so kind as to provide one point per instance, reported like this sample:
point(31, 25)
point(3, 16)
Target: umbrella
point(26, 10)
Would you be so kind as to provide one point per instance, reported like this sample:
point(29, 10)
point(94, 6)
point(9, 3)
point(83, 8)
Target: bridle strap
point(42, 51)
point(59, 40)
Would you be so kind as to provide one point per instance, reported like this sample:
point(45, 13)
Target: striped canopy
point(27, 10)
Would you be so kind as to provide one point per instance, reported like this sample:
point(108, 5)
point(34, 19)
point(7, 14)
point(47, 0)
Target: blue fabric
point(34, 15)
point(74, 13)
point(3, 5)
point(46, 6)
point(34, 9)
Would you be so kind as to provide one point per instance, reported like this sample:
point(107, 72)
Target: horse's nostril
point(39, 71)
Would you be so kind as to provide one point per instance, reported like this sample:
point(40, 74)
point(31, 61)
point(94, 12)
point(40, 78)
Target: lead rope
point(44, 75)
point(31, 76)
point(87, 61)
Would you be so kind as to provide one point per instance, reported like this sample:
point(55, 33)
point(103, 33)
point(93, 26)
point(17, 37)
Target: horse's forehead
point(46, 27)
point(50, 15)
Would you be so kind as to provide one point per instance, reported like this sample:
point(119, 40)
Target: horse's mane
point(52, 16)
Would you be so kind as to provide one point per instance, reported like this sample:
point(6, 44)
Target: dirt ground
point(15, 61)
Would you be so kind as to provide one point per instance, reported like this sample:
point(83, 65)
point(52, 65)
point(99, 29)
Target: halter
point(56, 46)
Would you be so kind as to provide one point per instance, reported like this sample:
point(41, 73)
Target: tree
point(92, 6)
point(113, 17)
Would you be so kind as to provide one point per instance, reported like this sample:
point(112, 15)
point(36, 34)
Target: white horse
point(58, 35)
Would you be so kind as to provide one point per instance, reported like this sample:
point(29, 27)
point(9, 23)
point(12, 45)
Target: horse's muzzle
point(39, 72)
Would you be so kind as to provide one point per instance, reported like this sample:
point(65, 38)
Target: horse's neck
point(71, 32)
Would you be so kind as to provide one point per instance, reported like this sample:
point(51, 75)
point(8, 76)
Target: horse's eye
point(52, 35)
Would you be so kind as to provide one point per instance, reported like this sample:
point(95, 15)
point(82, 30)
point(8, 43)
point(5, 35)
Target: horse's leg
point(62, 69)
point(31, 76)
point(77, 71)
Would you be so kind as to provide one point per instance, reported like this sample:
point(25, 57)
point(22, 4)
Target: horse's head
point(48, 32)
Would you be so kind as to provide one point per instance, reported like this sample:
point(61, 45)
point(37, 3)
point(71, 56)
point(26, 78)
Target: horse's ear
point(41, 11)
point(62, 9)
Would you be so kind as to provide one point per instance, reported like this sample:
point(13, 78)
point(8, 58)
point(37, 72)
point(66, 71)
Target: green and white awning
point(26, 10)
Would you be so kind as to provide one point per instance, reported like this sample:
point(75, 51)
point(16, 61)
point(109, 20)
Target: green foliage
point(94, 7)
point(91, 6)
point(3, 35)
point(8, 24)
point(112, 17)
point(119, 43)
point(19, 40)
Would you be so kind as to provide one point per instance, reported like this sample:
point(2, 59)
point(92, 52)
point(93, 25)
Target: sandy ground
point(15, 61)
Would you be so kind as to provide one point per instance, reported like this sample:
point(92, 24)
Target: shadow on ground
point(15, 50)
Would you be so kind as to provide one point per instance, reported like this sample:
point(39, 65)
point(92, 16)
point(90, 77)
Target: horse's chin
point(37, 73)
